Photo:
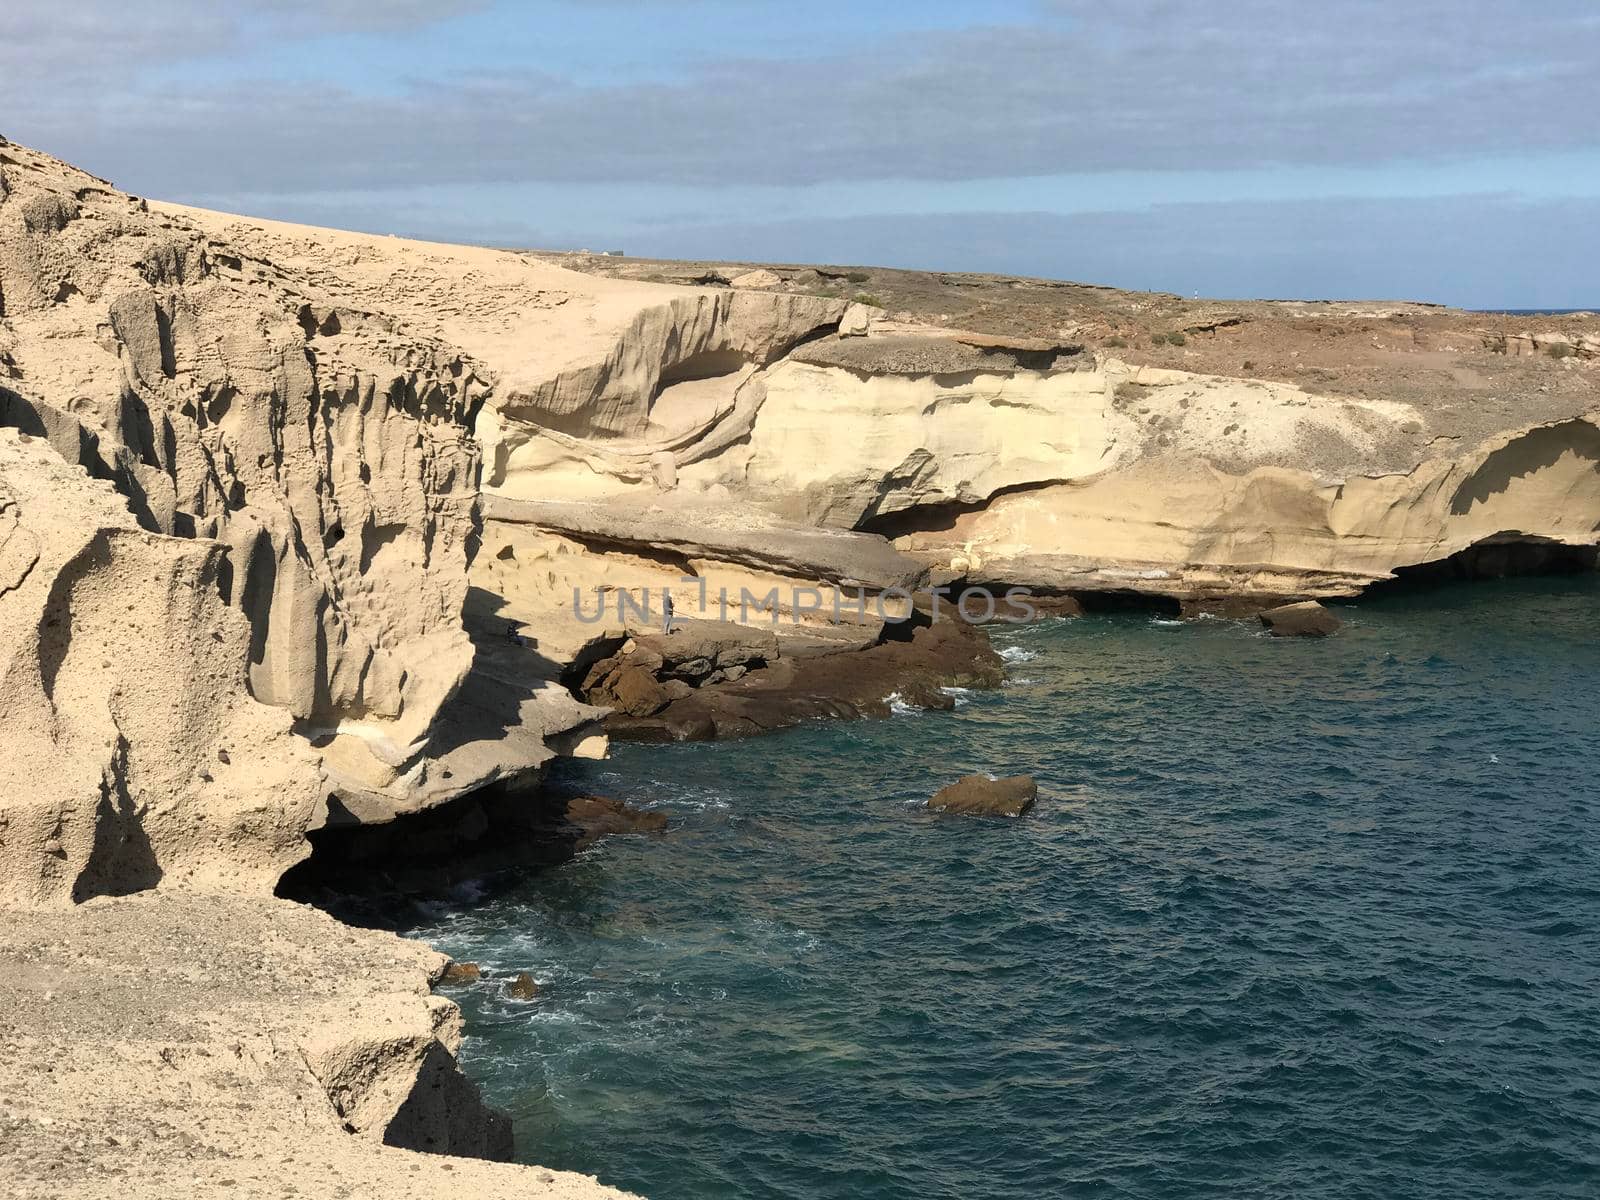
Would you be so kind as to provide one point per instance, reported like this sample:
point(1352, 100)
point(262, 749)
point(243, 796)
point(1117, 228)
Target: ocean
point(1292, 918)
point(1533, 312)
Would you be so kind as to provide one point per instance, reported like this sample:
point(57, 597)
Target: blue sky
point(1437, 149)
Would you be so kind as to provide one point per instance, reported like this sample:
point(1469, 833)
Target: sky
point(1444, 150)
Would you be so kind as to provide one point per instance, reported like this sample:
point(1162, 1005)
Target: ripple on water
point(1317, 919)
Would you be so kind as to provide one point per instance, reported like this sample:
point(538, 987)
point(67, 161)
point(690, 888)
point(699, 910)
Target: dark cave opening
point(1504, 556)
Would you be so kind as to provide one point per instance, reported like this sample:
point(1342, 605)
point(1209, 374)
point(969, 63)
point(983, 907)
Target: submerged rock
point(982, 796)
point(1306, 619)
point(600, 816)
point(523, 987)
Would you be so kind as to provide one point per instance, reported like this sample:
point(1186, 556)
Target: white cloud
point(1088, 87)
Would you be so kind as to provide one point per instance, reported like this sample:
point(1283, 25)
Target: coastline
point(1210, 800)
point(291, 520)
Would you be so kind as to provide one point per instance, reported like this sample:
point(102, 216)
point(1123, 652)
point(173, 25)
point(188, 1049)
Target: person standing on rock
point(666, 612)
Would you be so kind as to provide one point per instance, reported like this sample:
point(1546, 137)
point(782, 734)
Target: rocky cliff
point(1088, 442)
point(294, 520)
point(308, 534)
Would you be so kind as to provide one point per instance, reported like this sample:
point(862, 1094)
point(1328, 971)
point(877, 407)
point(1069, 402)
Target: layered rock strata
point(1144, 445)
point(308, 538)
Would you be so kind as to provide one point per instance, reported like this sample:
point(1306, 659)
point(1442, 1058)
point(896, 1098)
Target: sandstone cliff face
point(213, 401)
point(293, 523)
point(238, 499)
point(1183, 528)
point(1101, 476)
point(281, 433)
point(134, 750)
point(222, 403)
point(267, 439)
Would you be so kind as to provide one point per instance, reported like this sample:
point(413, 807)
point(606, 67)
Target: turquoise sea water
point(1293, 918)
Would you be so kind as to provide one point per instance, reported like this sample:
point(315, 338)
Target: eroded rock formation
point(173, 1044)
point(307, 539)
point(1070, 466)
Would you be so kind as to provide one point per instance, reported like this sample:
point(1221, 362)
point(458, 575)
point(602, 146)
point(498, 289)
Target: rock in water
point(600, 816)
point(522, 987)
point(1306, 619)
point(980, 795)
point(461, 972)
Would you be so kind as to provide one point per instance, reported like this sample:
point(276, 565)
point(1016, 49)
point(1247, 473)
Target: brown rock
point(601, 816)
point(461, 972)
point(982, 796)
point(848, 683)
point(924, 693)
point(638, 693)
point(1306, 619)
point(696, 648)
point(523, 987)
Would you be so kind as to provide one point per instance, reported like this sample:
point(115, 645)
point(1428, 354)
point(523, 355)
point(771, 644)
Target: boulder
point(1306, 619)
point(695, 649)
point(461, 972)
point(637, 692)
point(983, 796)
point(759, 278)
point(601, 816)
point(857, 320)
point(523, 987)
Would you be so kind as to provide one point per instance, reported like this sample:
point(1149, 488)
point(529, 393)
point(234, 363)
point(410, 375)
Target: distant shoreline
point(1534, 312)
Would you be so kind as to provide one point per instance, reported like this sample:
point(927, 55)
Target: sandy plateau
point(291, 525)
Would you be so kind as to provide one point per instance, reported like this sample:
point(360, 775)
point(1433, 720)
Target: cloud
point(1084, 87)
point(50, 50)
point(400, 117)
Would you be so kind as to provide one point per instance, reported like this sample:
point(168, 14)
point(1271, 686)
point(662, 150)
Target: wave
point(899, 707)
